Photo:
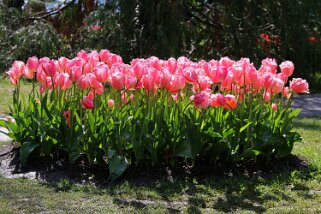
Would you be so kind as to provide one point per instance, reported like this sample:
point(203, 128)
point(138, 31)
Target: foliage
point(196, 29)
point(21, 38)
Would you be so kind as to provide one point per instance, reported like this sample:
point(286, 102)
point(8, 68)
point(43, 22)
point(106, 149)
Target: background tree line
point(205, 29)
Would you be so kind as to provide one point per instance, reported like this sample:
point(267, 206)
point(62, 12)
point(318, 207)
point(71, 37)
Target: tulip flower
point(230, 102)
point(287, 68)
point(32, 64)
point(49, 68)
point(88, 101)
point(201, 99)
point(110, 103)
point(299, 85)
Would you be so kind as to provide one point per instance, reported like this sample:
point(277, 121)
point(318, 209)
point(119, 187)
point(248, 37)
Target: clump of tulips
point(154, 111)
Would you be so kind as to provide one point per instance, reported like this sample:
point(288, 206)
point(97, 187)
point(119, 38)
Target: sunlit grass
point(310, 148)
point(6, 92)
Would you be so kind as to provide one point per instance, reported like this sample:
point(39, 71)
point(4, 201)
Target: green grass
point(6, 92)
point(285, 190)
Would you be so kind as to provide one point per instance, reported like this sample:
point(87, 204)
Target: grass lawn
point(6, 92)
point(286, 190)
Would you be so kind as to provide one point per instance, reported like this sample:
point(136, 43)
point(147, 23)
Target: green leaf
point(26, 149)
point(111, 154)
point(77, 118)
point(91, 120)
point(227, 132)
point(73, 156)
point(213, 134)
point(245, 126)
point(249, 153)
point(184, 149)
point(117, 166)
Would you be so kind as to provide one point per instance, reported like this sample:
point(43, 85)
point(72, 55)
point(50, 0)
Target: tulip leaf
point(245, 126)
point(91, 121)
point(117, 166)
point(249, 153)
point(184, 149)
point(26, 149)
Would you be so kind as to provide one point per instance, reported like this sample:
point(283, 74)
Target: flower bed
point(153, 111)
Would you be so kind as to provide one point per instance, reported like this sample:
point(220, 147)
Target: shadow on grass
point(222, 189)
point(313, 124)
point(192, 189)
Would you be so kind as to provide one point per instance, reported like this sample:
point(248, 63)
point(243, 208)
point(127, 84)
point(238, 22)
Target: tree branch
point(44, 15)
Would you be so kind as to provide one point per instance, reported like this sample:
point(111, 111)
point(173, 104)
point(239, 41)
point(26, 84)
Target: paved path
point(310, 105)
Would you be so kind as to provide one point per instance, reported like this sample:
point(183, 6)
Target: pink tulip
point(282, 77)
point(63, 63)
point(175, 97)
point(88, 101)
point(47, 84)
point(299, 85)
point(226, 62)
point(217, 100)
point(124, 99)
point(251, 75)
point(204, 82)
point(114, 59)
point(42, 89)
point(286, 93)
point(101, 73)
point(94, 56)
point(258, 84)
point(97, 87)
point(28, 73)
point(190, 75)
point(274, 107)
point(41, 75)
point(165, 78)
point(287, 68)
point(227, 83)
point(104, 55)
point(267, 80)
point(155, 63)
point(83, 55)
point(62, 80)
point(84, 82)
point(139, 69)
point(201, 99)
point(172, 65)
point(86, 68)
point(179, 81)
point(130, 82)
point(118, 80)
point(32, 64)
point(49, 68)
point(269, 65)
point(267, 96)
point(132, 97)
point(76, 62)
point(148, 82)
point(277, 85)
point(110, 103)
point(75, 73)
point(230, 102)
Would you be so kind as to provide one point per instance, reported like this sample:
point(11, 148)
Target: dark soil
point(50, 170)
